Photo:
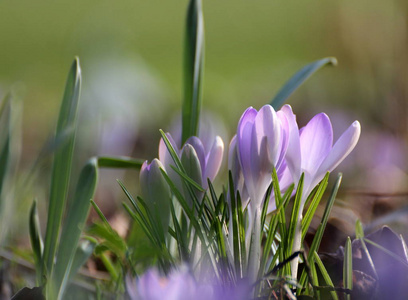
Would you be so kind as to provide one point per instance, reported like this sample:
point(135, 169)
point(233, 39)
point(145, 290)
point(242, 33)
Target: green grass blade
point(320, 230)
point(235, 231)
point(325, 275)
point(193, 69)
point(74, 223)
point(61, 169)
point(36, 240)
point(83, 252)
point(5, 124)
point(120, 162)
point(348, 267)
point(298, 79)
point(294, 218)
point(313, 205)
point(322, 226)
point(360, 236)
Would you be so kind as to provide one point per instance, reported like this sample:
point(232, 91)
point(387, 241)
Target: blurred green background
point(131, 56)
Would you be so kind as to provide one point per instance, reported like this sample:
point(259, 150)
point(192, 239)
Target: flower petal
point(316, 140)
point(293, 154)
point(267, 124)
point(344, 145)
point(213, 160)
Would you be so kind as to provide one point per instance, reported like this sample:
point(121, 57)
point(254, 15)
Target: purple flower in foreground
point(311, 150)
point(155, 191)
point(201, 161)
point(262, 140)
point(181, 285)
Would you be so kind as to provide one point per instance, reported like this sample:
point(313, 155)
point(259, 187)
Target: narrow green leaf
point(193, 69)
point(36, 240)
point(294, 218)
point(313, 205)
point(83, 252)
point(325, 275)
point(360, 236)
point(5, 124)
point(320, 229)
point(359, 230)
point(298, 79)
point(120, 162)
point(61, 169)
point(74, 223)
point(113, 241)
point(235, 232)
point(348, 267)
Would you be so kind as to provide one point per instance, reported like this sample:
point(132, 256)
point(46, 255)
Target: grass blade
point(325, 275)
point(61, 169)
point(193, 69)
point(298, 79)
point(121, 162)
point(348, 268)
point(36, 240)
point(77, 213)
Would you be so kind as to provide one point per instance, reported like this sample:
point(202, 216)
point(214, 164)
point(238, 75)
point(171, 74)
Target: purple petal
point(213, 160)
point(344, 145)
point(316, 141)
point(244, 143)
point(293, 154)
point(267, 124)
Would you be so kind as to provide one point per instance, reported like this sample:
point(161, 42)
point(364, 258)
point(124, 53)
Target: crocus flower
point(156, 191)
point(262, 140)
point(311, 150)
point(179, 285)
point(200, 164)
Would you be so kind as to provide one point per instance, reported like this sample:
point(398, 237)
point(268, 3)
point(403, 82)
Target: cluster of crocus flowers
point(267, 139)
point(201, 160)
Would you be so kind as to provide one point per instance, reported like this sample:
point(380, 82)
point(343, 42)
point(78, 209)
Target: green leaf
point(36, 240)
point(5, 124)
point(121, 162)
point(61, 169)
point(348, 267)
point(83, 252)
point(298, 79)
point(314, 204)
point(74, 223)
point(193, 69)
point(320, 229)
point(359, 230)
point(294, 218)
point(112, 239)
point(325, 275)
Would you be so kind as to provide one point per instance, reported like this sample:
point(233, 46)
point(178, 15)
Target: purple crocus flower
point(262, 140)
point(201, 161)
point(181, 285)
point(311, 150)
